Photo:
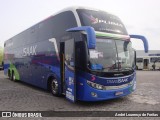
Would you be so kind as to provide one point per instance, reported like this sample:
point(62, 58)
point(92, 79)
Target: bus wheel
point(9, 75)
point(2, 66)
point(54, 87)
point(13, 77)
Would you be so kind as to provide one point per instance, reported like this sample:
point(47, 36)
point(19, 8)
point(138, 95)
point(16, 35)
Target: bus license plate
point(119, 93)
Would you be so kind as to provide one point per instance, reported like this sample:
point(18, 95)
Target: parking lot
point(18, 96)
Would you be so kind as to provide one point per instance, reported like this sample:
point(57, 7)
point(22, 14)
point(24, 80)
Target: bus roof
point(73, 9)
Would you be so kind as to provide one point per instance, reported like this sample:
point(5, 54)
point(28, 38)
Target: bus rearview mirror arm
point(91, 36)
point(145, 42)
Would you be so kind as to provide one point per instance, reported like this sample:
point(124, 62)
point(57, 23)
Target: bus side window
point(69, 53)
point(80, 55)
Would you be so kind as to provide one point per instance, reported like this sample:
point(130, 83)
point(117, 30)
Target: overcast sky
point(139, 16)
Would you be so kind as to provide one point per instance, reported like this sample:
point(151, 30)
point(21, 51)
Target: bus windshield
point(101, 21)
point(112, 55)
point(139, 60)
point(154, 59)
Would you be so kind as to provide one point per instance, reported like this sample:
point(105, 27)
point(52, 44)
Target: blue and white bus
point(82, 53)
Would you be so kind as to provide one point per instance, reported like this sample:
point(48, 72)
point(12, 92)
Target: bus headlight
point(134, 83)
point(99, 86)
point(94, 85)
point(102, 87)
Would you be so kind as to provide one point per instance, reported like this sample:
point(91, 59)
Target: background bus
point(77, 52)
point(1, 57)
point(147, 62)
point(154, 60)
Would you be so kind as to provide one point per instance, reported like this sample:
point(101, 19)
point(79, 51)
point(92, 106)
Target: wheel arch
point(49, 78)
point(53, 75)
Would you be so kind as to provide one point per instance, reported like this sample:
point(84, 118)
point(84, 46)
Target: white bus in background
point(156, 60)
point(147, 62)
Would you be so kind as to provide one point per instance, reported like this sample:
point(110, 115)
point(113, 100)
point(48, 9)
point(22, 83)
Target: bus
point(154, 60)
point(82, 53)
point(147, 62)
point(1, 58)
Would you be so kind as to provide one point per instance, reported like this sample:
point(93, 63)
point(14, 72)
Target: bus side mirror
point(145, 42)
point(91, 36)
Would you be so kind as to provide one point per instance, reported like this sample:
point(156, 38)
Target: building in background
point(150, 53)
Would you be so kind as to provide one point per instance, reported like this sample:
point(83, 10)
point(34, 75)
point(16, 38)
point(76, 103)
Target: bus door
point(69, 70)
point(145, 63)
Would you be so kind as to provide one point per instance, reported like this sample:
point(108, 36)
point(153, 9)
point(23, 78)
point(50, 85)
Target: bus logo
point(120, 80)
point(93, 20)
point(97, 20)
point(28, 51)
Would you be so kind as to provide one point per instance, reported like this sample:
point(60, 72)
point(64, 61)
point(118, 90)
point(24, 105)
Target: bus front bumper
point(88, 93)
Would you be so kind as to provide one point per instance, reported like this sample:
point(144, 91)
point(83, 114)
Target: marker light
point(94, 94)
point(94, 85)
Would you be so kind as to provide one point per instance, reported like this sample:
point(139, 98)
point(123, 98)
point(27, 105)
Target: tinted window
point(69, 53)
point(81, 54)
point(139, 60)
point(155, 59)
point(101, 21)
point(56, 26)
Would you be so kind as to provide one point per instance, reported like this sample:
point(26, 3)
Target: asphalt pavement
point(19, 96)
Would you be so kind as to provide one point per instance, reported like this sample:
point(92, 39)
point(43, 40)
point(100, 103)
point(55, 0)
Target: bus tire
point(13, 76)
point(2, 66)
point(54, 86)
point(9, 74)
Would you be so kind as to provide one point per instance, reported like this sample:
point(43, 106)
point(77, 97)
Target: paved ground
point(23, 97)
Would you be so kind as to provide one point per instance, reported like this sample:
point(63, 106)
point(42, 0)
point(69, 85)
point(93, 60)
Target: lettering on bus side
point(120, 80)
point(28, 51)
